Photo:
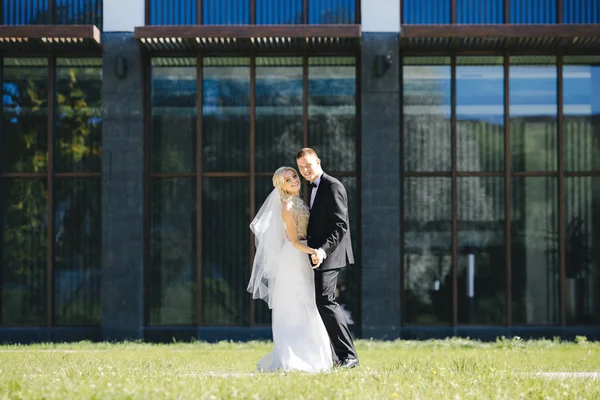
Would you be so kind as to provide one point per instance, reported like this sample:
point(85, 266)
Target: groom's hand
point(317, 259)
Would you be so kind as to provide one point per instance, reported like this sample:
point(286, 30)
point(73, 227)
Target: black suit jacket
point(329, 224)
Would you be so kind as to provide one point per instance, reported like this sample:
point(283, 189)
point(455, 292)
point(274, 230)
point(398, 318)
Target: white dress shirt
point(313, 193)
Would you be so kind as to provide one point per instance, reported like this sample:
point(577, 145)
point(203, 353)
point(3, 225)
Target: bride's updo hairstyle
point(299, 209)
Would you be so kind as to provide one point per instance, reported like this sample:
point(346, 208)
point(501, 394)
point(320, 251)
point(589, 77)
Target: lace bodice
point(301, 215)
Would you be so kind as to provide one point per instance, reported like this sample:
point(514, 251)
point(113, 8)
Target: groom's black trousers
point(332, 315)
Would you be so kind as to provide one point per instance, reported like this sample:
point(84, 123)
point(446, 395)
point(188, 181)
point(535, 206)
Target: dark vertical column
point(561, 190)
point(507, 189)
point(122, 190)
point(380, 177)
point(50, 191)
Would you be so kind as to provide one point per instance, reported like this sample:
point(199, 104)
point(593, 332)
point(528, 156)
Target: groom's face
point(309, 166)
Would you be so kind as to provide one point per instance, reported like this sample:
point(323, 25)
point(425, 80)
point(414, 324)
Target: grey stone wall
point(381, 195)
point(122, 190)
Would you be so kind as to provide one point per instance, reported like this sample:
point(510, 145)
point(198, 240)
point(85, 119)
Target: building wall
point(454, 235)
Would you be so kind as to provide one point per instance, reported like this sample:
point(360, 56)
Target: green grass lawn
point(453, 368)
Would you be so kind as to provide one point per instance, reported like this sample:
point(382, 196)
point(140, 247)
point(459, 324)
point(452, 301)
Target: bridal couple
point(299, 253)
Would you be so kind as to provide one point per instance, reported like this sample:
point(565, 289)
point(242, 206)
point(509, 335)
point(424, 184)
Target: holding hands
point(317, 257)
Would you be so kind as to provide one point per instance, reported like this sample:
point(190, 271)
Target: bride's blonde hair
point(299, 209)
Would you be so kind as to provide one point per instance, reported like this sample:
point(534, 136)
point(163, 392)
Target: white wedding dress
point(299, 335)
point(282, 276)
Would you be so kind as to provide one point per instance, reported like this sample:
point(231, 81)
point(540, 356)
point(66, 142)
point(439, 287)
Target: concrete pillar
point(122, 174)
point(380, 169)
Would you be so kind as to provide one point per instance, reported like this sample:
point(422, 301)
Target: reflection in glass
point(581, 94)
point(533, 113)
point(276, 12)
point(582, 261)
point(24, 244)
point(427, 250)
point(225, 251)
point(78, 123)
point(263, 185)
point(172, 266)
point(535, 253)
point(77, 248)
point(426, 114)
point(278, 112)
point(173, 123)
point(332, 111)
point(24, 139)
point(226, 115)
point(480, 114)
point(481, 250)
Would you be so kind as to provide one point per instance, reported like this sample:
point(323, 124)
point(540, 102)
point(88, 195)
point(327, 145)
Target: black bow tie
point(314, 185)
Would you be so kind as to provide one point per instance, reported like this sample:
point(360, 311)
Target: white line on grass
point(563, 375)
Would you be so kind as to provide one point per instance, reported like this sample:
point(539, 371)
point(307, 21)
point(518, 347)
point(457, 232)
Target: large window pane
point(482, 251)
point(480, 114)
point(226, 115)
point(582, 261)
point(173, 126)
point(535, 253)
point(225, 251)
point(24, 244)
point(426, 114)
point(581, 91)
point(332, 111)
point(427, 251)
point(262, 187)
point(172, 280)
point(77, 251)
point(279, 122)
point(78, 124)
point(533, 110)
point(24, 139)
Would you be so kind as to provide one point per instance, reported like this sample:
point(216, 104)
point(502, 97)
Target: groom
point(329, 232)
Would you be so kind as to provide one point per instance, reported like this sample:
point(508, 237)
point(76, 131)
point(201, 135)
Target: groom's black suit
point(329, 229)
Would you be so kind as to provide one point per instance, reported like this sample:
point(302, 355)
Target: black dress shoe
point(349, 363)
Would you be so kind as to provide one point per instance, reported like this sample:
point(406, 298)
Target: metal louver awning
point(279, 38)
point(46, 38)
point(555, 37)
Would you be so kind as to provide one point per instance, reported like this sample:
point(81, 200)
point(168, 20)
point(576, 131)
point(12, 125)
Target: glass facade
point(220, 126)
point(499, 158)
point(500, 190)
point(50, 203)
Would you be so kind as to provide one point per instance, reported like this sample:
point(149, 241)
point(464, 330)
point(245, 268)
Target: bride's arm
point(288, 218)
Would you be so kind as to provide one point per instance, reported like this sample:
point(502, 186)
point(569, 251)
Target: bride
point(282, 276)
